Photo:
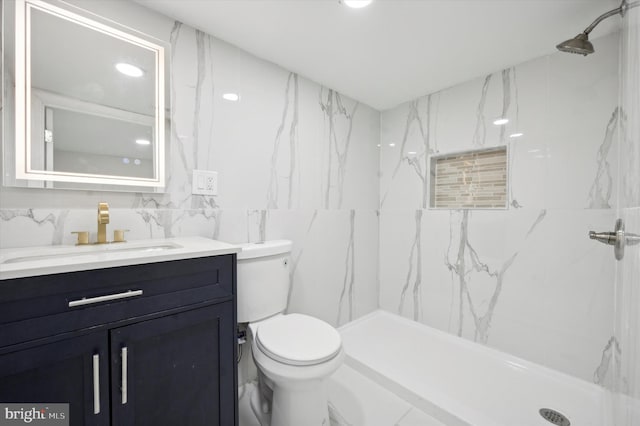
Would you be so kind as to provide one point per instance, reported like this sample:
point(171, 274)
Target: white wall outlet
point(204, 183)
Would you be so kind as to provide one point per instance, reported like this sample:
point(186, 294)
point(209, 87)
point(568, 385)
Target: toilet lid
point(297, 339)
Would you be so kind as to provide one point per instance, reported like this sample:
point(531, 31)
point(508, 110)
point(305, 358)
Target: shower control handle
point(604, 237)
point(618, 239)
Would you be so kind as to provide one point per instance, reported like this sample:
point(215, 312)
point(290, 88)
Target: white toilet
point(294, 353)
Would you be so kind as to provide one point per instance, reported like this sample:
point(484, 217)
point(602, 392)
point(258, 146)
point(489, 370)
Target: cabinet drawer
point(34, 307)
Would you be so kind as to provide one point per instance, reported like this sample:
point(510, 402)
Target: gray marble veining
point(216, 216)
point(57, 223)
point(512, 156)
point(415, 259)
point(467, 261)
point(290, 111)
point(256, 225)
point(422, 169)
point(203, 202)
point(173, 38)
point(601, 189)
point(540, 218)
point(192, 128)
point(629, 163)
point(417, 161)
point(506, 100)
point(203, 109)
point(348, 282)
point(200, 77)
point(462, 267)
point(610, 351)
point(154, 219)
point(168, 223)
point(177, 141)
point(147, 201)
point(339, 140)
point(295, 261)
point(480, 133)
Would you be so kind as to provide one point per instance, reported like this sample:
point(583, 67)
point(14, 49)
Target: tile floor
point(355, 400)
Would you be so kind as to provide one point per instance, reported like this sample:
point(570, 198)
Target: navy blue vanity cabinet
point(177, 373)
point(61, 372)
point(163, 353)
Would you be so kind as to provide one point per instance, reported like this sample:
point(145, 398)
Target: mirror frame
point(23, 168)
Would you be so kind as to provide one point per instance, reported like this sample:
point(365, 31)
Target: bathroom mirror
point(84, 100)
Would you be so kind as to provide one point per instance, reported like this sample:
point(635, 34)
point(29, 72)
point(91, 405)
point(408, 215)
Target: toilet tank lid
point(265, 248)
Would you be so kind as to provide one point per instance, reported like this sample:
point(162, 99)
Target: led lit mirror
point(88, 100)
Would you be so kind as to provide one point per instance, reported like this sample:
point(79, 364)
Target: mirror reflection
point(115, 147)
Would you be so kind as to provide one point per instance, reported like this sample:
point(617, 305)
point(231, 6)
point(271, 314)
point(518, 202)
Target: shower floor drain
point(552, 416)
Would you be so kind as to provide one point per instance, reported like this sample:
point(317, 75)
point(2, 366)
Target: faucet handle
point(118, 235)
point(83, 237)
point(103, 213)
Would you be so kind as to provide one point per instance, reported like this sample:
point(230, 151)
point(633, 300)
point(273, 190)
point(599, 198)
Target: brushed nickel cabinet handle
point(123, 355)
point(96, 384)
point(98, 299)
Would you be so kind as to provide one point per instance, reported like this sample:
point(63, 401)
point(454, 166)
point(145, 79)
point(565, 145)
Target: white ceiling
point(393, 50)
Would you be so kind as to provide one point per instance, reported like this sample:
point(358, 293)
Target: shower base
point(462, 383)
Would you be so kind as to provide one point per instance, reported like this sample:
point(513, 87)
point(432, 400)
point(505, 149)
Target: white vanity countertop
point(34, 261)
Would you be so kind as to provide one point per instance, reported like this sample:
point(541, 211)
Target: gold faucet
point(103, 219)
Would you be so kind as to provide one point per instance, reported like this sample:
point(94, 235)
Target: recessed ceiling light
point(143, 141)
point(501, 121)
point(137, 162)
point(357, 4)
point(392, 144)
point(233, 97)
point(412, 152)
point(130, 70)
point(516, 135)
point(125, 160)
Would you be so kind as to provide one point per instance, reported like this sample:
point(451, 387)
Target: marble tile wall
point(626, 344)
point(295, 160)
point(526, 280)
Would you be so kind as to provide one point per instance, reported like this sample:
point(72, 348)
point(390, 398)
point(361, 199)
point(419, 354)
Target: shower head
point(580, 44)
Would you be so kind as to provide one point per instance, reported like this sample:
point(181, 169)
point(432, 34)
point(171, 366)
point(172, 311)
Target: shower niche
point(475, 179)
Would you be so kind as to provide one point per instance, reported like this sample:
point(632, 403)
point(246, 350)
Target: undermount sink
point(89, 250)
point(33, 261)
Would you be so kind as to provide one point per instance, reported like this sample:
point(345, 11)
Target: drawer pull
point(96, 384)
point(91, 300)
point(123, 354)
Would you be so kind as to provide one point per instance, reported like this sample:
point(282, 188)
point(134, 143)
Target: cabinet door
point(73, 371)
point(176, 370)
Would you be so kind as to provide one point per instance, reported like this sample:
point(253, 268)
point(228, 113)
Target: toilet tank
point(263, 279)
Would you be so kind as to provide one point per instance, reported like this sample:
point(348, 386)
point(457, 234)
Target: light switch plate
point(204, 182)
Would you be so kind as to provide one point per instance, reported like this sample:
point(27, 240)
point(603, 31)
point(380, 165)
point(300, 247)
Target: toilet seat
point(297, 339)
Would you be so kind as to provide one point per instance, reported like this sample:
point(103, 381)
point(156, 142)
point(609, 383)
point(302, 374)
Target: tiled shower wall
point(295, 160)
point(525, 280)
point(626, 345)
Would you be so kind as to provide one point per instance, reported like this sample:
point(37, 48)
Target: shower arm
point(622, 9)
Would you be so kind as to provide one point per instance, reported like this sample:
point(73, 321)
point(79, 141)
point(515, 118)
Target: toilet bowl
point(294, 353)
point(293, 368)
